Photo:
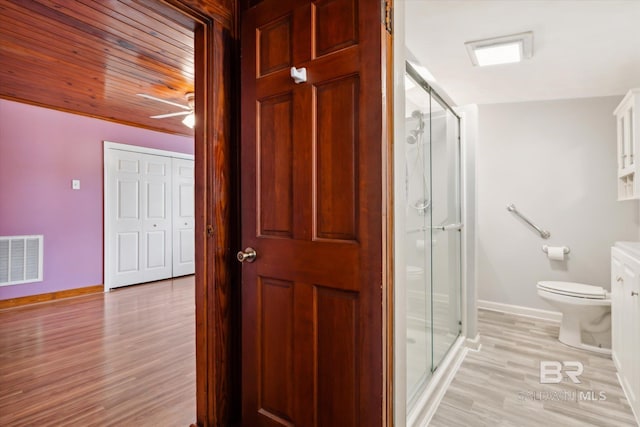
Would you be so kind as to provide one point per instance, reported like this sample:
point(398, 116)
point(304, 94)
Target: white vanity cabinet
point(627, 119)
point(625, 318)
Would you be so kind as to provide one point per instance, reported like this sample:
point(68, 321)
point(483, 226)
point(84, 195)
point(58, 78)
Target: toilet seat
point(572, 289)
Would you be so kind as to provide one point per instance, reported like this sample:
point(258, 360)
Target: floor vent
point(20, 259)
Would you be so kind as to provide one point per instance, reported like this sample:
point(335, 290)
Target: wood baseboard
point(33, 299)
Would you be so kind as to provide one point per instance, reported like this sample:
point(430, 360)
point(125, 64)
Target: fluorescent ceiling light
point(498, 54)
point(501, 50)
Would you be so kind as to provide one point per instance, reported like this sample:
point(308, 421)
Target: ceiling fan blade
point(179, 113)
point(144, 95)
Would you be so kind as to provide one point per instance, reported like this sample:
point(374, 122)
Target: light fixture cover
point(501, 50)
point(189, 120)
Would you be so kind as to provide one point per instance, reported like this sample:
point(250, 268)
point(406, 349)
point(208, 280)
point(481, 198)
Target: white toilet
point(585, 309)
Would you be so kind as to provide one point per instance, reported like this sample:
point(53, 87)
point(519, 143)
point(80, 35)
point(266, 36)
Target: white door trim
point(107, 147)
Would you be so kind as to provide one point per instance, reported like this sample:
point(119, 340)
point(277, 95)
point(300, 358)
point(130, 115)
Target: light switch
point(75, 184)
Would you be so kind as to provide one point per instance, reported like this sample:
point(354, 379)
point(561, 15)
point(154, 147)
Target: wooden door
point(312, 352)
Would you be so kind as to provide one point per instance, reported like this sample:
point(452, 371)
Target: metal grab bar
point(543, 233)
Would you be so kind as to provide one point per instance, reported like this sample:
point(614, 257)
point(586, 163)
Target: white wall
point(556, 161)
point(469, 133)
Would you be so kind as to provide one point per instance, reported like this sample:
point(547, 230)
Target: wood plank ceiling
point(92, 57)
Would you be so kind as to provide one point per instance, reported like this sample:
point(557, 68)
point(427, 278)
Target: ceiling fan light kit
point(189, 112)
point(189, 121)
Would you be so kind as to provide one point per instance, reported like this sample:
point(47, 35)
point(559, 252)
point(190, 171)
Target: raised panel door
point(183, 217)
point(312, 209)
point(157, 234)
point(138, 208)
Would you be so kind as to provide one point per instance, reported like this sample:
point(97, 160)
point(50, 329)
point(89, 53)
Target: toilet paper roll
point(555, 253)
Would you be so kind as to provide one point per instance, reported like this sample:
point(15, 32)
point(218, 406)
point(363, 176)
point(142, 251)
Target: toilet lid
point(574, 289)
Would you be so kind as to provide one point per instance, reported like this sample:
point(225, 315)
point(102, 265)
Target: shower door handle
point(446, 227)
point(457, 226)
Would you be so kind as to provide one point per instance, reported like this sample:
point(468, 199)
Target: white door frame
point(108, 145)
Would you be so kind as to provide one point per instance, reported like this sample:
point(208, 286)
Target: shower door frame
point(413, 401)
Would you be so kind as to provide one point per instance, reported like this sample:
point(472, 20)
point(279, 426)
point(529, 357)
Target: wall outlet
point(75, 184)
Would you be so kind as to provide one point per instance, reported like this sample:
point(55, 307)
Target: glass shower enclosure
point(432, 230)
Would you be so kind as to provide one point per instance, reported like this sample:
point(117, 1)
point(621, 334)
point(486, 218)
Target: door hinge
point(388, 15)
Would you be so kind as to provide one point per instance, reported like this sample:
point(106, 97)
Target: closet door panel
point(183, 218)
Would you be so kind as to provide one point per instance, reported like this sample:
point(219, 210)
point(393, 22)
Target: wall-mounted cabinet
point(627, 119)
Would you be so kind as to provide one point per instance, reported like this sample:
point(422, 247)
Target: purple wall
point(41, 151)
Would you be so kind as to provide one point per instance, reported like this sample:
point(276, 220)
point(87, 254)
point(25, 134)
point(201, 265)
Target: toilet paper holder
point(565, 249)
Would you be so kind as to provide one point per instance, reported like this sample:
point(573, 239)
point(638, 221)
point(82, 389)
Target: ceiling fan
point(190, 117)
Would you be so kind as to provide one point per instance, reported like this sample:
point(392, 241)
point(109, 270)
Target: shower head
point(413, 136)
point(417, 114)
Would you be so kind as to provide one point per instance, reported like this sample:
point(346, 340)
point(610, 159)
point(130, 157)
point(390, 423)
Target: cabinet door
point(629, 134)
point(629, 276)
point(617, 326)
point(629, 318)
point(632, 300)
point(623, 141)
point(625, 312)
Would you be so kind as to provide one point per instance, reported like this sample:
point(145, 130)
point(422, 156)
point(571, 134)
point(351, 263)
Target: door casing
point(217, 219)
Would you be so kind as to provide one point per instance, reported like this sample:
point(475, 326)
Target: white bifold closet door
point(140, 213)
point(183, 218)
point(149, 217)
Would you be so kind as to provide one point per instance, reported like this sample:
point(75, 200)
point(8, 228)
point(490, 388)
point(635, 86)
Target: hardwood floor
point(126, 357)
point(500, 384)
